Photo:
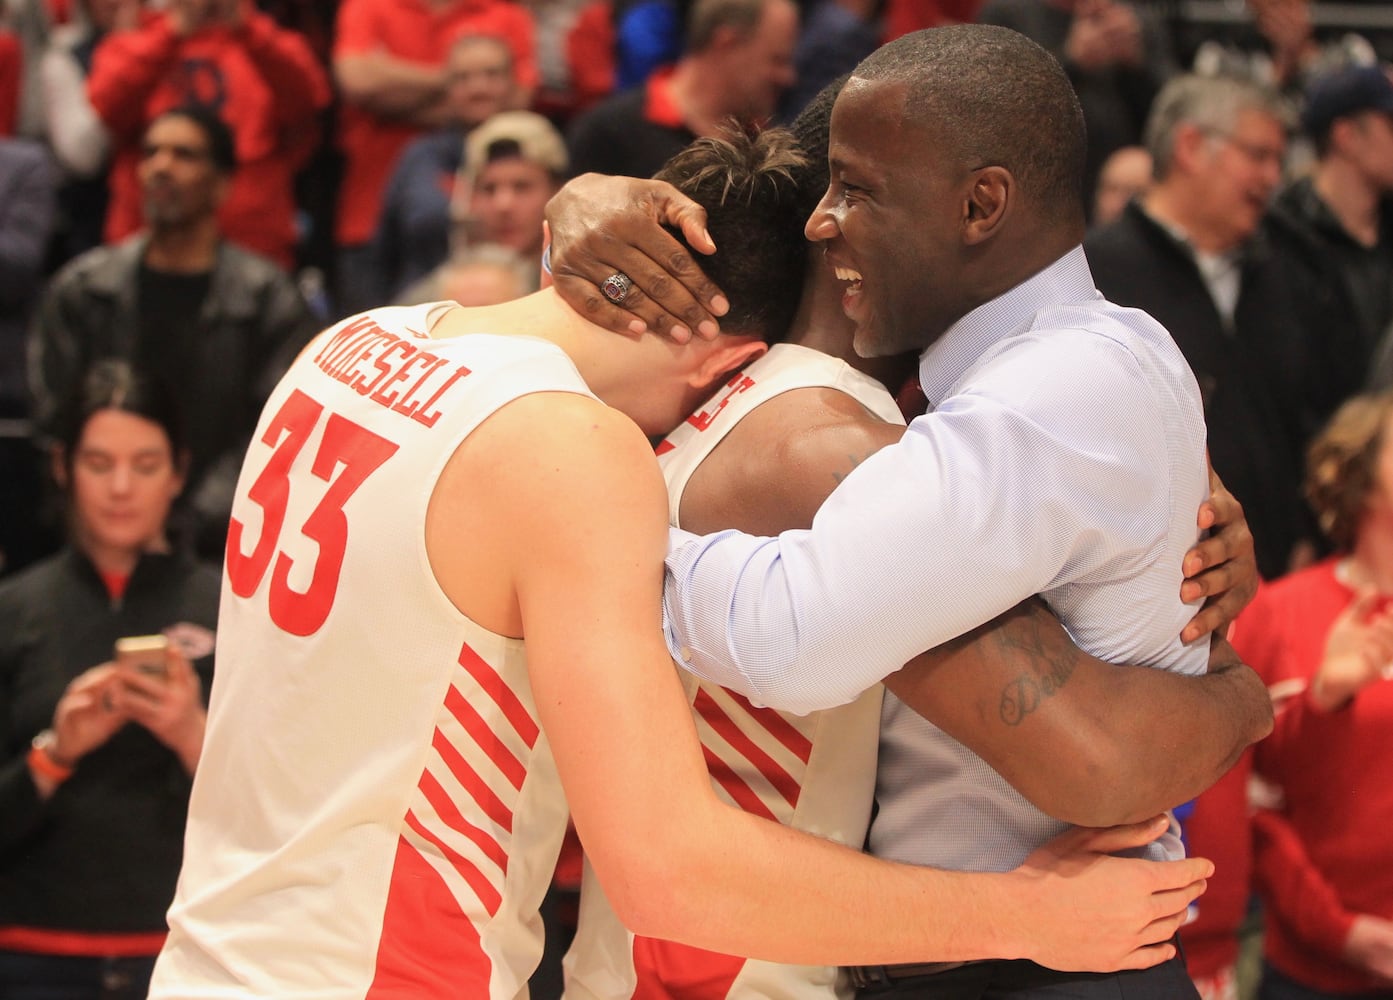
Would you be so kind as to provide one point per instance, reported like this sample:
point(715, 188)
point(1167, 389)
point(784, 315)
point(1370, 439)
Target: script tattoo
point(1050, 669)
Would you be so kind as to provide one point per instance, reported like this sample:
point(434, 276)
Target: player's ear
point(727, 354)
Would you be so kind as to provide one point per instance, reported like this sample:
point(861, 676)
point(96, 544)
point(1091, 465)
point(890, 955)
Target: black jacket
point(102, 855)
point(1342, 291)
point(1251, 378)
point(251, 325)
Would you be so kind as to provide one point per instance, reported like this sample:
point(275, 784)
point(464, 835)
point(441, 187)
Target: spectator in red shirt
point(219, 324)
point(413, 224)
point(262, 80)
point(1323, 637)
point(904, 16)
point(390, 64)
point(738, 63)
point(11, 69)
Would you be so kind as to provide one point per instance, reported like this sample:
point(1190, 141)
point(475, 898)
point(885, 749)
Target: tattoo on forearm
point(1049, 671)
point(853, 461)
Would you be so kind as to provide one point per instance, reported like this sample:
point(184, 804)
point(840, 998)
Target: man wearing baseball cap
point(513, 163)
point(1335, 230)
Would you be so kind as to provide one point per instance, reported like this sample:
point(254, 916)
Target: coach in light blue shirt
point(1064, 454)
point(1065, 459)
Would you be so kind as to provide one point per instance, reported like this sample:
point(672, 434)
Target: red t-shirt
point(415, 31)
point(11, 67)
point(263, 81)
point(1326, 854)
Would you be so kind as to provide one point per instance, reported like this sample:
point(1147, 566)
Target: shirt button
point(686, 653)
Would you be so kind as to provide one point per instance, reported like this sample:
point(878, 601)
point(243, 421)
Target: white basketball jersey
point(376, 812)
point(813, 772)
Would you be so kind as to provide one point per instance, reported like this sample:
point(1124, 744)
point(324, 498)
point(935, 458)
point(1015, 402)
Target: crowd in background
point(194, 187)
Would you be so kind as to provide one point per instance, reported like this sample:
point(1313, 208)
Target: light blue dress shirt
point(1064, 456)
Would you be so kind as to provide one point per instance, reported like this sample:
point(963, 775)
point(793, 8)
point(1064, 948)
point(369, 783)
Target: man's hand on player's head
point(604, 225)
point(1222, 568)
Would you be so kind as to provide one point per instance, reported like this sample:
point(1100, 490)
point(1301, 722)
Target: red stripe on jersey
point(664, 446)
point(484, 890)
point(450, 814)
point(488, 679)
point(743, 795)
point(777, 726)
point(784, 783)
point(666, 970)
point(493, 807)
point(487, 740)
point(428, 947)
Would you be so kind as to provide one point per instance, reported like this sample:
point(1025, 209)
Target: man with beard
point(218, 323)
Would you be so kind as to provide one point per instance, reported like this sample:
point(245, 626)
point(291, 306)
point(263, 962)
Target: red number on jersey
point(359, 451)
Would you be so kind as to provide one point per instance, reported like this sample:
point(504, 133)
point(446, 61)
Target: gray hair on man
point(1211, 104)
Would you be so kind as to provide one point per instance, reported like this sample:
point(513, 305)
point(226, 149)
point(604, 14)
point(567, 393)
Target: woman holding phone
point(97, 748)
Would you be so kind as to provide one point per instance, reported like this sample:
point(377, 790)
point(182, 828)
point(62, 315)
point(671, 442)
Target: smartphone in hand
point(144, 654)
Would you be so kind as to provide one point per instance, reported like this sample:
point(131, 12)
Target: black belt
point(863, 976)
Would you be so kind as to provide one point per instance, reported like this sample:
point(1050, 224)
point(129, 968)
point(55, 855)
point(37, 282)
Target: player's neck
point(820, 324)
point(543, 315)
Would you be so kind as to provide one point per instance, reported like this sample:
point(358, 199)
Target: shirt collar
point(945, 361)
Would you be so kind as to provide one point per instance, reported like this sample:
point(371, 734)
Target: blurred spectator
point(26, 219)
point(27, 181)
point(590, 53)
point(904, 16)
point(1280, 50)
point(390, 64)
point(648, 35)
point(737, 64)
point(1323, 856)
point(1117, 56)
point(92, 811)
point(482, 275)
point(32, 23)
point(11, 73)
point(513, 164)
point(262, 80)
point(1186, 253)
point(836, 35)
point(1126, 174)
point(561, 89)
point(80, 141)
point(413, 229)
point(219, 324)
point(1334, 228)
point(314, 19)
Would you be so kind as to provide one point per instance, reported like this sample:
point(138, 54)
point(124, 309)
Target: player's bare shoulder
point(544, 476)
point(828, 432)
point(813, 436)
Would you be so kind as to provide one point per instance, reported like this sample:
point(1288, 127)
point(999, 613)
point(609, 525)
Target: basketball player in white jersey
point(441, 607)
point(761, 455)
